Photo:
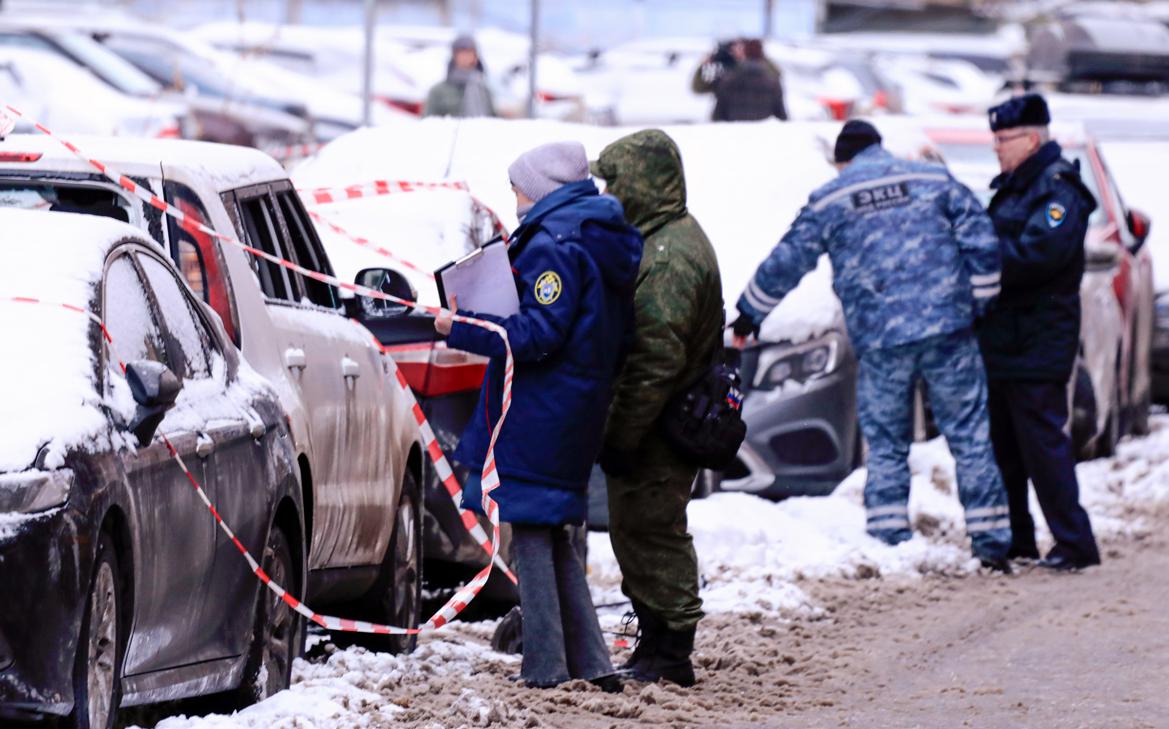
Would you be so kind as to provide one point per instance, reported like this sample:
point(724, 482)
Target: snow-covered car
point(358, 448)
point(1116, 295)
point(119, 589)
point(71, 98)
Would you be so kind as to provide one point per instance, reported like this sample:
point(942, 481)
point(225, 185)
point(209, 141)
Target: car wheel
point(278, 635)
point(97, 670)
point(396, 597)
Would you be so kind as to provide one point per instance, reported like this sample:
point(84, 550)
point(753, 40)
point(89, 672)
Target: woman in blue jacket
point(575, 262)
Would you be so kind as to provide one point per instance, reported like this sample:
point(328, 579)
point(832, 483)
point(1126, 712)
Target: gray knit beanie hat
point(541, 170)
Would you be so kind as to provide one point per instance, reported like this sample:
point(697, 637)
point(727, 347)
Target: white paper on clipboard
point(482, 281)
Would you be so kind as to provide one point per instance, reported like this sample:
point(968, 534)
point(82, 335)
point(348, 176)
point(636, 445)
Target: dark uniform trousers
point(1026, 428)
point(647, 526)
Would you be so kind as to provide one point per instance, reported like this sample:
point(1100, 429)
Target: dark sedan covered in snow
point(118, 588)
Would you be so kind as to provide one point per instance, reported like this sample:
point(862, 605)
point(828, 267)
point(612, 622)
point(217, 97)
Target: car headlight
point(31, 491)
point(782, 363)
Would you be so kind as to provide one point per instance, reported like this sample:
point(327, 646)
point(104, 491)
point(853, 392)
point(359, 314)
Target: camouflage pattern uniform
point(679, 315)
point(915, 260)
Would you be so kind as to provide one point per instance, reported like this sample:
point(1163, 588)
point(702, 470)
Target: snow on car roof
point(46, 365)
point(224, 166)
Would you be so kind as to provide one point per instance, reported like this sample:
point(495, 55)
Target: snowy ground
point(761, 562)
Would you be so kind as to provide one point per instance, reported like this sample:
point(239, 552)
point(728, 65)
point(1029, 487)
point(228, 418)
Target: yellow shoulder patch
point(548, 287)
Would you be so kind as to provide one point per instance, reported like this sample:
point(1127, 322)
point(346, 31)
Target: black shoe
point(1001, 566)
point(610, 684)
point(1015, 552)
point(670, 661)
point(1059, 563)
point(649, 630)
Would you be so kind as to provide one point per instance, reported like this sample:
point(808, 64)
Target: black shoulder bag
point(704, 422)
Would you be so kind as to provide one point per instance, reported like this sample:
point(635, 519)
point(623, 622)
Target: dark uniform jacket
point(1040, 212)
point(749, 92)
point(679, 292)
point(575, 262)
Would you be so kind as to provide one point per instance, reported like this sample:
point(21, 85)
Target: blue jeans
point(951, 366)
point(562, 637)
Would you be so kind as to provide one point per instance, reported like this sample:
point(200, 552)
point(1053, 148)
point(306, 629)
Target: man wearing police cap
point(1029, 340)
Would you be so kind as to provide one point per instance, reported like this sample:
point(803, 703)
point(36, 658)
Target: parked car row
point(316, 463)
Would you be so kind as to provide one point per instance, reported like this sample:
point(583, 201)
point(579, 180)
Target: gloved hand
point(744, 327)
point(615, 462)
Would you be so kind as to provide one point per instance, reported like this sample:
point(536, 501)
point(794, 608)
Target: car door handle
point(350, 368)
point(294, 358)
point(205, 446)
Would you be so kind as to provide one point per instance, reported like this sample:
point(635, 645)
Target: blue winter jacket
point(913, 253)
point(575, 262)
point(1041, 213)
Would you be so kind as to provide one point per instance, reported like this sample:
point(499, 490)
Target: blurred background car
point(60, 93)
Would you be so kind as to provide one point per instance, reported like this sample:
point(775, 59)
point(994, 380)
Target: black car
point(119, 588)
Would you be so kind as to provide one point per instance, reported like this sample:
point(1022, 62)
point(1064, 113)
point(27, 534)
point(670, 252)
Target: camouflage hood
point(644, 171)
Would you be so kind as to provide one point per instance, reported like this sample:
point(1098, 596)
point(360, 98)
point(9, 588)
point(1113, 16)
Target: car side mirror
point(388, 281)
point(155, 388)
point(1139, 224)
point(1100, 255)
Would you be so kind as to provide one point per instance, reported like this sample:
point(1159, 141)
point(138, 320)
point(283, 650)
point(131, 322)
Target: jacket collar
point(869, 155)
point(558, 198)
point(1026, 172)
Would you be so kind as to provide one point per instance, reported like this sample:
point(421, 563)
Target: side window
point(306, 247)
point(1126, 237)
point(199, 258)
point(259, 224)
point(190, 342)
point(128, 317)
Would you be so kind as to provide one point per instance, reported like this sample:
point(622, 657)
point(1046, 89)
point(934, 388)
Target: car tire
point(97, 669)
point(278, 635)
point(396, 596)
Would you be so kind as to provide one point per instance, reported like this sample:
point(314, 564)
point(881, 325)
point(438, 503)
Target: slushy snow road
point(803, 609)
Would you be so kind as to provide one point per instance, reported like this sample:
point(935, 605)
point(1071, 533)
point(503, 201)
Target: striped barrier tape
point(291, 152)
point(442, 467)
point(366, 243)
point(375, 188)
point(490, 475)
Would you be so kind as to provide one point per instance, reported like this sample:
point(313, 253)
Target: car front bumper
point(41, 559)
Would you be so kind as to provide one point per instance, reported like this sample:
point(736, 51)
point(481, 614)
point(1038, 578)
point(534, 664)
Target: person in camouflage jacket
point(678, 319)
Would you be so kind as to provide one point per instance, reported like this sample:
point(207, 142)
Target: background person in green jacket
point(464, 92)
point(678, 323)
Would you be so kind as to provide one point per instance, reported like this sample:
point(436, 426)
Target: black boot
point(670, 660)
point(649, 630)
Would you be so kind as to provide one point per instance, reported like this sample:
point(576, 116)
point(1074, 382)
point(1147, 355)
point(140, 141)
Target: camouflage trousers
point(951, 366)
point(647, 526)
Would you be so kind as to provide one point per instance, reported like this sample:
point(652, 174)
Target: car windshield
point(56, 197)
point(111, 67)
point(975, 166)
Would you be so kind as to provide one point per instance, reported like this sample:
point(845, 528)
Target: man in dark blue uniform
point(1029, 340)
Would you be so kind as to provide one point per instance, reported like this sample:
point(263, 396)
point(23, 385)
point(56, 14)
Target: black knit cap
point(855, 137)
point(1028, 110)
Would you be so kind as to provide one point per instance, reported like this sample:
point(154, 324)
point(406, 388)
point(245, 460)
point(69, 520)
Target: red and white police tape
point(375, 188)
point(490, 475)
point(366, 243)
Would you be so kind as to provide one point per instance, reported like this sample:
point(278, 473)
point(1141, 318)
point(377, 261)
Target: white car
point(64, 95)
point(358, 447)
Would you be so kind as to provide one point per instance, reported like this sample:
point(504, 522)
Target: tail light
point(169, 131)
point(20, 156)
point(880, 99)
point(547, 97)
point(410, 107)
point(433, 370)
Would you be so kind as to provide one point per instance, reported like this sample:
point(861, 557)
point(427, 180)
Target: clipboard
point(482, 280)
